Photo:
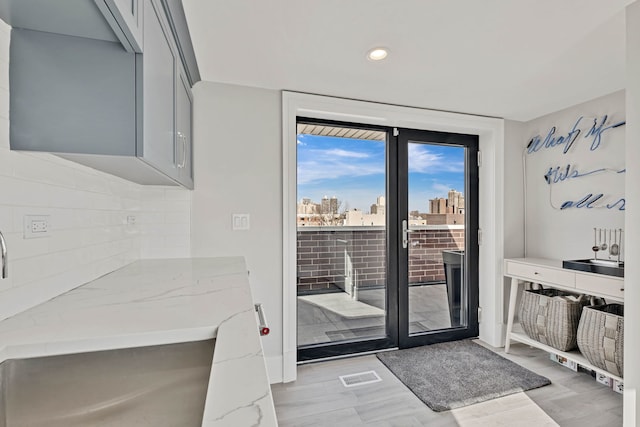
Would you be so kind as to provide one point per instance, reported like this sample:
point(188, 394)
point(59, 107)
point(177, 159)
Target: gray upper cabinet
point(123, 108)
point(184, 144)
point(68, 93)
point(80, 18)
point(126, 19)
point(158, 67)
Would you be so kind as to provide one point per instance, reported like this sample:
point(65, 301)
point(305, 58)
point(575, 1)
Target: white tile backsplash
point(89, 233)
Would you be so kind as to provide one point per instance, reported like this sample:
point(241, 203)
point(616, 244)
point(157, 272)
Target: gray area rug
point(458, 373)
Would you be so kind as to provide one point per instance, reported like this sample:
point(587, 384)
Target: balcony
point(342, 277)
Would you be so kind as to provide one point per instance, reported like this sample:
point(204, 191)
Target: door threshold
point(345, 356)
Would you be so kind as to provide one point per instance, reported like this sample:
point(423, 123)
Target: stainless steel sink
point(146, 386)
point(609, 268)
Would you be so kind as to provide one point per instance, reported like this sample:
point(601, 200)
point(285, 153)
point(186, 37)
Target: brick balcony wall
point(321, 254)
point(425, 253)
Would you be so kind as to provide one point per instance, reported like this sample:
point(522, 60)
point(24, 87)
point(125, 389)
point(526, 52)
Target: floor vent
point(361, 378)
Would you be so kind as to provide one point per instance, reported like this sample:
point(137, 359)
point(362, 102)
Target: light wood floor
point(318, 398)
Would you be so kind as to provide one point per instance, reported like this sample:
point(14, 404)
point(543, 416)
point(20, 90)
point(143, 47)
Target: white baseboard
point(494, 336)
point(274, 369)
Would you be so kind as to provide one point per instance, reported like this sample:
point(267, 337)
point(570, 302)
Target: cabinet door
point(184, 145)
point(128, 15)
point(156, 145)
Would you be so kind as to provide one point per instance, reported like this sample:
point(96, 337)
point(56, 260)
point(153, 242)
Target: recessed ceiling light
point(377, 54)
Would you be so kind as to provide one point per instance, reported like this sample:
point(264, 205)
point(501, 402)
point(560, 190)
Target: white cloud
point(344, 153)
point(424, 161)
point(314, 170)
point(442, 189)
point(336, 163)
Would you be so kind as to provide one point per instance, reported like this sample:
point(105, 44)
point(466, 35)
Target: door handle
point(405, 234)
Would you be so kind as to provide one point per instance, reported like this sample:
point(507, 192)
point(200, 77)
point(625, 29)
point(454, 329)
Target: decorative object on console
point(600, 243)
point(596, 247)
point(614, 250)
point(551, 316)
point(600, 336)
point(597, 266)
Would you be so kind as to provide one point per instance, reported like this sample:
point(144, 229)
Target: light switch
point(240, 221)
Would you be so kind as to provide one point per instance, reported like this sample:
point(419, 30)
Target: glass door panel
point(436, 237)
point(387, 226)
point(438, 258)
point(341, 240)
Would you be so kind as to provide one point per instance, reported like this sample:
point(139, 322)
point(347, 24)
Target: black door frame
point(397, 314)
point(471, 267)
point(344, 348)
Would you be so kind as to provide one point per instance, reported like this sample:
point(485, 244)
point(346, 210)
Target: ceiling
point(517, 59)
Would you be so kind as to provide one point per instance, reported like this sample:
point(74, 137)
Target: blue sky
point(354, 171)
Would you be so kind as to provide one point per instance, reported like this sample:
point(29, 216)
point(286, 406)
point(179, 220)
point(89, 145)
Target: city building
point(455, 202)
point(437, 206)
point(329, 205)
point(446, 211)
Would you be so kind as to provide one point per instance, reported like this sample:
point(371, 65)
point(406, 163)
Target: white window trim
point(491, 216)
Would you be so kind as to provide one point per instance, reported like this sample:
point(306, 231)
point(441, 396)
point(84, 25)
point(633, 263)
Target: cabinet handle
point(184, 150)
point(181, 139)
point(177, 148)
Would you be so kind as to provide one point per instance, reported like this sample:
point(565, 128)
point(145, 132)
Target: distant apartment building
point(438, 206)
point(376, 215)
point(329, 205)
point(310, 213)
point(378, 206)
point(442, 211)
point(416, 218)
point(446, 211)
point(307, 207)
point(455, 202)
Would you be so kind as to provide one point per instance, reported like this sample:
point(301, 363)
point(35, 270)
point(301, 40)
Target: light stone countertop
point(155, 302)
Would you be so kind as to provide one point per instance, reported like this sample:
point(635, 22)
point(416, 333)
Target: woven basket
point(601, 337)
point(551, 316)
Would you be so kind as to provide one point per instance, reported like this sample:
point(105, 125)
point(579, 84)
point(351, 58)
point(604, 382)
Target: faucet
point(5, 260)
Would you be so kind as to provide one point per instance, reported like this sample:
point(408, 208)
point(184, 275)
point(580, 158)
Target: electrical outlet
point(240, 221)
point(36, 226)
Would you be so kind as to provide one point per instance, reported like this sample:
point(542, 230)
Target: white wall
point(632, 221)
point(568, 234)
point(513, 204)
point(88, 213)
point(513, 200)
point(238, 169)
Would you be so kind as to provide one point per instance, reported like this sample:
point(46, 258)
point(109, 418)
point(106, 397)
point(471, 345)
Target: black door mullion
point(393, 280)
point(402, 253)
